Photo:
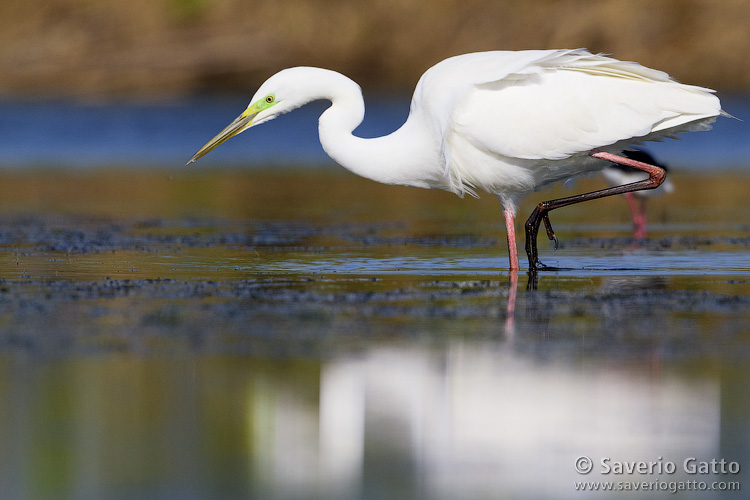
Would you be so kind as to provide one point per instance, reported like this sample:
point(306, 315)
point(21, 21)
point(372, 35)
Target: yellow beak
point(242, 122)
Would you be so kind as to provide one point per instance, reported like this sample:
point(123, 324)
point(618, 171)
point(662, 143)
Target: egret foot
point(539, 215)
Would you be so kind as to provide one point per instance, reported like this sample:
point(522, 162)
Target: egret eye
point(270, 99)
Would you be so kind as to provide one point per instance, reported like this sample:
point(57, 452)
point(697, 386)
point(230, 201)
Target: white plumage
point(534, 123)
point(505, 122)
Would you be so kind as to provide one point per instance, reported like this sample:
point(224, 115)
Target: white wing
point(551, 105)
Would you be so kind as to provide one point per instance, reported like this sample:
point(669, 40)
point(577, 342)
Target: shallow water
point(225, 334)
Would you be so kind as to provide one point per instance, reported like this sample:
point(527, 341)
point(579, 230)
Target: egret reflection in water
point(470, 420)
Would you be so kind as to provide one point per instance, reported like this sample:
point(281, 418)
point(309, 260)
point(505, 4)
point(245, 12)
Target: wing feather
point(553, 104)
point(562, 112)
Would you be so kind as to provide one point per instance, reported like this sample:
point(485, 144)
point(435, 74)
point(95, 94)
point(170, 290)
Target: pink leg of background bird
point(638, 209)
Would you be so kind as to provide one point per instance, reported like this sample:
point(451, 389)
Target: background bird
point(505, 122)
point(617, 175)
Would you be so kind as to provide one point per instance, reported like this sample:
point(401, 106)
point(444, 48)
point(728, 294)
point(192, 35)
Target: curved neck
point(409, 156)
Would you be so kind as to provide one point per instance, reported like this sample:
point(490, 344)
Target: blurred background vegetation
point(155, 47)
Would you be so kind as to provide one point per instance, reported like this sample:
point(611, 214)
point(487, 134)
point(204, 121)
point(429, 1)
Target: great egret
point(618, 175)
point(506, 122)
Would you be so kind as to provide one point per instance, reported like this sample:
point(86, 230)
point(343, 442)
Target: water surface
point(166, 132)
point(308, 334)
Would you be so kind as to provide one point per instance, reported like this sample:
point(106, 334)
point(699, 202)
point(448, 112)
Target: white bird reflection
point(466, 420)
point(342, 427)
point(475, 421)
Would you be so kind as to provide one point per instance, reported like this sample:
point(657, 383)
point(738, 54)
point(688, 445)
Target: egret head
point(283, 92)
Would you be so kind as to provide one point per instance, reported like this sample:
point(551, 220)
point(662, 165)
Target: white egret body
point(505, 122)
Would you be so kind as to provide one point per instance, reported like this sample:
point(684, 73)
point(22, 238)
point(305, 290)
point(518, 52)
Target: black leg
point(656, 176)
